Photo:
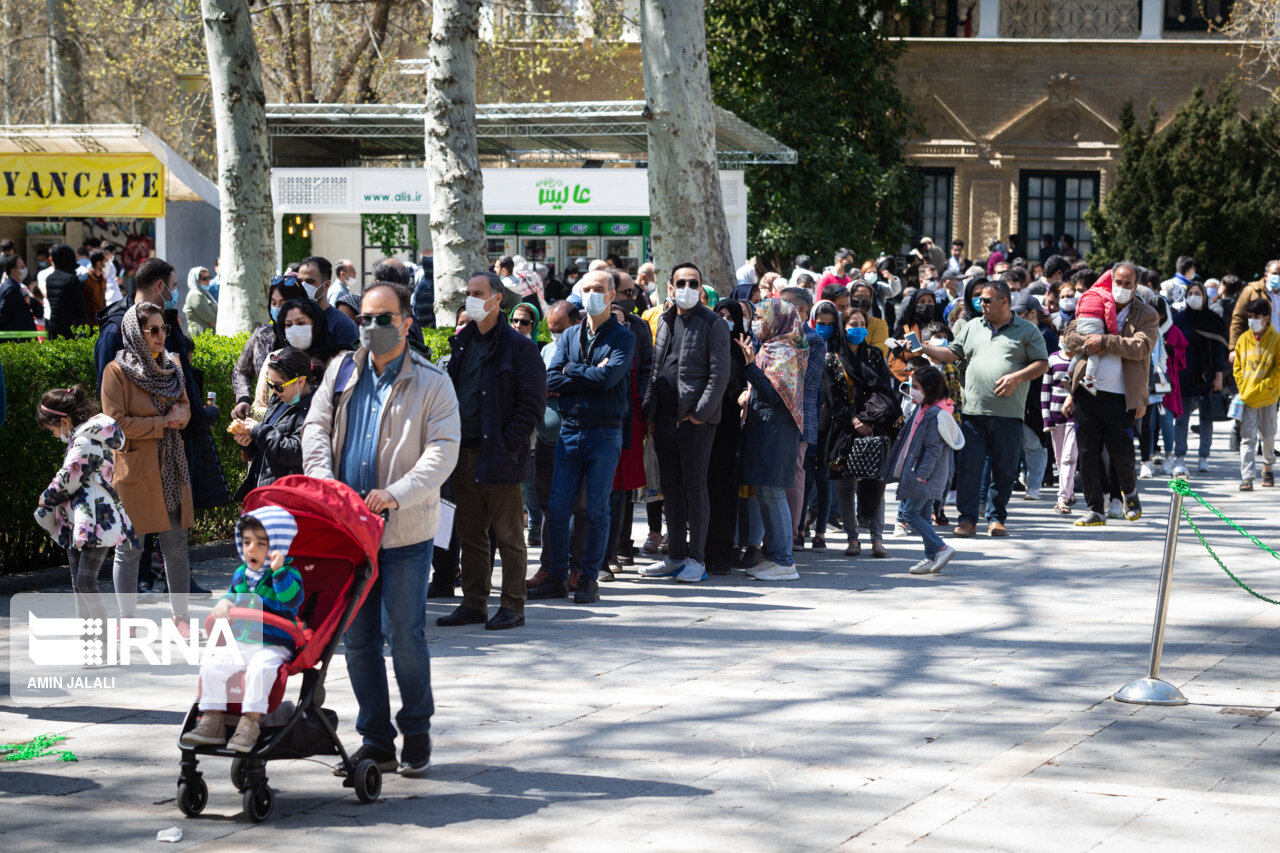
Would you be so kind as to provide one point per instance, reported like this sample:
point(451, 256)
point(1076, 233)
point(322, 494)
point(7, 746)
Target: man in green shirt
point(1001, 354)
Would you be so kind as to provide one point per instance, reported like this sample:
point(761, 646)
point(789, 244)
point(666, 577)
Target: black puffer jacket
point(275, 450)
point(65, 292)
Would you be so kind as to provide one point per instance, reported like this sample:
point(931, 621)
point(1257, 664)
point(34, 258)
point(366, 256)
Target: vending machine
point(622, 239)
point(579, 240)
point(539, 244)
point(500, 240)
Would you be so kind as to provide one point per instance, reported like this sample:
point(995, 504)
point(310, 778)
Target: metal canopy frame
point(614, 132)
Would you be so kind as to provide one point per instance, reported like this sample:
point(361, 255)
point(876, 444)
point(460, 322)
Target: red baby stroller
point(336, 552)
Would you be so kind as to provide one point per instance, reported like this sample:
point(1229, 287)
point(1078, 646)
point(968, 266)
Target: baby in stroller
point(263, 537)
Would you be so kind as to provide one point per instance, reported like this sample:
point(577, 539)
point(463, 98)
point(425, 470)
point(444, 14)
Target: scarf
point(165, 387)
point(784, 353)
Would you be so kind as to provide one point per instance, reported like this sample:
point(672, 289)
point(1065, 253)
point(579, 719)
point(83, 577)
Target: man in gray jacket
point(385, 422)
point(682, 408)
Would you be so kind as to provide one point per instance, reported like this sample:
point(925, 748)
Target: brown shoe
point(964, 530)
point(246, 736)
point(878, 550)
point(540, 577)
point(995, 528)
point(853, 549)
point(210, 731)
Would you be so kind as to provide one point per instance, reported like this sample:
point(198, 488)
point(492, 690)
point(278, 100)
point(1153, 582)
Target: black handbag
point(1216, 410)
point(867, 457)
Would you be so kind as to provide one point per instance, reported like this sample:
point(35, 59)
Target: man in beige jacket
point(385, 422)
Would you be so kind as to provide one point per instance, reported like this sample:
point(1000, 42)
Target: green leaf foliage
point(818, 76)
point(34, 455)
point(1207, 185)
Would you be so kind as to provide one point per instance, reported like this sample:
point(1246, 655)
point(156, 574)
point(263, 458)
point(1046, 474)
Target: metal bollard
point(1152, 690)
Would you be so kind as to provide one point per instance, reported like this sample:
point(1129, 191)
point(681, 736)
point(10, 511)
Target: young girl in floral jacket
point(80, 509)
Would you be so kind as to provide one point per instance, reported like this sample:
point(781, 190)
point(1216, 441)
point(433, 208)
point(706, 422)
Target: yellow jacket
point(1257, 368)
point(652, 316)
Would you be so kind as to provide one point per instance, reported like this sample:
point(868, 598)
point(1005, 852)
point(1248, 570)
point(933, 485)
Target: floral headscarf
point(784, 352)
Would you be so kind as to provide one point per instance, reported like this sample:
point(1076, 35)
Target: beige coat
point(137, 477)
point(417, 440)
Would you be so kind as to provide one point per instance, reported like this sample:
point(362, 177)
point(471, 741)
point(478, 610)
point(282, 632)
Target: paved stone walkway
point(859, 708)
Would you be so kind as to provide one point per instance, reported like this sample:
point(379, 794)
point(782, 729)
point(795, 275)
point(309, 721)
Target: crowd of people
point(747, 425)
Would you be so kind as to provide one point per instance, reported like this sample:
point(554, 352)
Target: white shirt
point(336, 288)
point(1111, 367)
point(111, 292)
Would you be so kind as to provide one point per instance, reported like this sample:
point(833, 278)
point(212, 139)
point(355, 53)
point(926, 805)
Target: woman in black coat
point(274, 444)
point(722, 467)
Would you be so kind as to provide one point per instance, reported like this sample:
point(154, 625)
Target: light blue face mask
point(171, 303)
point(275, 313)
point(728, 322)
point(977, 303)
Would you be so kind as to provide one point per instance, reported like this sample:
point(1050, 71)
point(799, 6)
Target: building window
point(1054, 203)
point(936, 19)
point(935, 207)
point(1196, 15)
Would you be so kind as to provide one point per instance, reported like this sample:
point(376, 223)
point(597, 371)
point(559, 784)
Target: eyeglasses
point(686, 282)
point(521, 321)
point(627, 294)
point(375, 319)
point(279, 387)
point(158, 330)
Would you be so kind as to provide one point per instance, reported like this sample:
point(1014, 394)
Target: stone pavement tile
point(1179, 825)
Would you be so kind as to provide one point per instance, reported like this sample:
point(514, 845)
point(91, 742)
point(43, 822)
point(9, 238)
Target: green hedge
point(34, 455)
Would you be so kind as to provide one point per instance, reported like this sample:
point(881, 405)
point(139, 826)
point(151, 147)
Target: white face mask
point(476, 310)
point(917, 396)
point(1067, 303)
point(1122, 295)
point(685, 297)
point(593, 303)
point(1195, 302)
point(298, 336)
point(555, 337)
point(310, 289)
point(1257, 324)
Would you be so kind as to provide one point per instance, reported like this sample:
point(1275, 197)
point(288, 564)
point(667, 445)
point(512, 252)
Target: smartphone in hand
point(913, 342)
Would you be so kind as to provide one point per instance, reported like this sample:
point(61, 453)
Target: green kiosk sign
point(578, 229)
point(500, 229)
point(620, 229)
point(538, 229)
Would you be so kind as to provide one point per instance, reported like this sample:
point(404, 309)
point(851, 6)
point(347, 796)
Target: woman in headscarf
point(858, 391)
point(774, 405)
point(863, 296)
point(300, 324)
point(722, 467)
point(261, 343)
point(918, 310)
point(143, 391)
point(709, 297)
point(200, 309)
point(1206, 363)
point(971, 309)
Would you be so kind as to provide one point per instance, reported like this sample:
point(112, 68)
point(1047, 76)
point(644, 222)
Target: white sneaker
point(900, 530)
point(664, 568)
point(771, 571)
point(923, 567)
point(944, 557)
point(1146, 472)
point(1157, 459)
point(1204, 464)
point(692, 572)
point(1166, 467)
point(1116, 509)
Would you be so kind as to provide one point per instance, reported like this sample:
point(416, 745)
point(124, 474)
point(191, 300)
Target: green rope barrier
point(1183, 488)
point(40, 747)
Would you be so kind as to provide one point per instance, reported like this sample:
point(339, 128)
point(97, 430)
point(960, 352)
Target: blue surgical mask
point(857, 335)
point(171, 303)
point(728, 322)
point(593, 303)
point(977, 303)
point(826, 331)
point(870, 278)
point(1273, 281)
point(275, 313)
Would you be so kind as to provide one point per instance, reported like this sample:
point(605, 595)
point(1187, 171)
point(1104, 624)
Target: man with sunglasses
point(501, 387)
point(385, 422)
point(1002, 353)
point(590, 375)
point(682, 407)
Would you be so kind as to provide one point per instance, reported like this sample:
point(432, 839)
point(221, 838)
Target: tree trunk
point(453, 164)
point(685, 206)
point(65, 61)
point(244, 169)
point(11, 23)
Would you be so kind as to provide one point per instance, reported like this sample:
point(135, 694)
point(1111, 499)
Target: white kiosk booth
point(561, 181)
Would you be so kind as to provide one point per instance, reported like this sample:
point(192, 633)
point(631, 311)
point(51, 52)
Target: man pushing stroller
point(263, 537)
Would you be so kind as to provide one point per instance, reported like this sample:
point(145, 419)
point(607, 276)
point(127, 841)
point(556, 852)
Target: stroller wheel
point(259, 802)
point(193, 796)
point(368, 780)
point(239, 774)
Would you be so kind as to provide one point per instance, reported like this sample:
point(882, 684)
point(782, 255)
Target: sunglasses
point(520, 321)
point(986, 300)
point(279, 387)
point(686, 282)
point(375, 319)
point(158, 330)
point(859, 303)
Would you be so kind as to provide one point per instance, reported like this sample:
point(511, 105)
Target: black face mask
point(924, 314)
point(628, 306)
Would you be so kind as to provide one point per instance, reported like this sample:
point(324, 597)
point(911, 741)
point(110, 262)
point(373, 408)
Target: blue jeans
point(395, 612)
point(1001, 439)
point(775, 512)
point(1036, 457)
point(583, 456)
point(915, 512)
point(1183, 423)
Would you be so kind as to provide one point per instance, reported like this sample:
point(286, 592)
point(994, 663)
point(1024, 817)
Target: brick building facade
point(1021, 121)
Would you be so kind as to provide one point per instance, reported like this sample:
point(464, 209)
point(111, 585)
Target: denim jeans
point(1182, 425)
point(1157, 422)
point(776, 515)
point(1001, 439)
point(395, 612)
point(529, 492)
point(914, 512)
point(583, 457)
point(1036, 457)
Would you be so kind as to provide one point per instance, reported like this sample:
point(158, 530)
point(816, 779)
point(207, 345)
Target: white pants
point(260, 665)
